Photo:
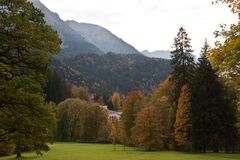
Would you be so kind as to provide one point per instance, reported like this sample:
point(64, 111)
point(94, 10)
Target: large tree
point(130, 108)
point(208, 109)
point(26, 46)
point(148, 129)
point(182, 61)
point(183, 124)
point(226, 56)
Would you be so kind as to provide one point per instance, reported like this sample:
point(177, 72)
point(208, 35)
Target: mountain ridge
point(165, 54)
point(102, 38)
point(84, 38)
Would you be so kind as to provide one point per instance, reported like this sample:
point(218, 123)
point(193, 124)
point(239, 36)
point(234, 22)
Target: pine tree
point(183, 123)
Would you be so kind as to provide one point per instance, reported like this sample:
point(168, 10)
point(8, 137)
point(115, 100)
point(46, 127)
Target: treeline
point(57, 90)
point(195, 109)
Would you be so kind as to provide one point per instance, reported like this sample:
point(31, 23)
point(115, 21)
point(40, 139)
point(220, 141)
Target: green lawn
point(78, 151)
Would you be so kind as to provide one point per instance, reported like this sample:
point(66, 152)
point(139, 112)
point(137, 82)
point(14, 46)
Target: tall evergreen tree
point(182, 61)
point(212, 121)
point(183, 65)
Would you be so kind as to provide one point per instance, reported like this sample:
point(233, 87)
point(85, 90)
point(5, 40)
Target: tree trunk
point(18, 148)
point(19, 155)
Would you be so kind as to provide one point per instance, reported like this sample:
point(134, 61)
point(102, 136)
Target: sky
point(149, 24)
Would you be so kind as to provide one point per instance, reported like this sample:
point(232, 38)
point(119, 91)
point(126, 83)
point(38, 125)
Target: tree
point(69, 119)
point(79, 120)
point(225, 56)
point(183, 66)
point(114, 133)
point(183, 123)
point(182, 61)
point(208, 109)
point(93, 118)
point(148, 128)
point(130, 108)
point(116, 100)
point(233, 4)
point(27, 43)
point(122, 135)
point(56, 90)
point(162, 98)
point(80, 92)
point(26, 46)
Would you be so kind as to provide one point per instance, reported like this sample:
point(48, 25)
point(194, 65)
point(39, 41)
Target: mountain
point(102, 38)
point(83, 38)
point(73, 42)
point(103, 74)
point(157, 54)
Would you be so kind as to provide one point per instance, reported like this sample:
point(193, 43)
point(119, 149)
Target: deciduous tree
point(130, 108)
point(148, 128)
point(26, 46)
point(116, 100)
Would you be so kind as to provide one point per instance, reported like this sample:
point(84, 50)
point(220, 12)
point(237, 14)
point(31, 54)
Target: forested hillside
point(103, 74)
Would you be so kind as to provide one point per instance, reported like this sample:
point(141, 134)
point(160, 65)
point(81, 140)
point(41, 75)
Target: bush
point(7, 149)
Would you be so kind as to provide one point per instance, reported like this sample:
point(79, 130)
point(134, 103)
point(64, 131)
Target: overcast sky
point(148, 24)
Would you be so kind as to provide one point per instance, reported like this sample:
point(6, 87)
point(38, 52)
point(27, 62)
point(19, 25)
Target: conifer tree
point(212, 118)
point(182, 61)
point(183, 123)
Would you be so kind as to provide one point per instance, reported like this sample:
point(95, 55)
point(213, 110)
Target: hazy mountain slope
point(102, 38)
point(73, 42)
point(103, 74)
point(157, 54)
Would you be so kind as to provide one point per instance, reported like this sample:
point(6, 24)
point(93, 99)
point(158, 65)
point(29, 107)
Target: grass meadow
point(79, 151)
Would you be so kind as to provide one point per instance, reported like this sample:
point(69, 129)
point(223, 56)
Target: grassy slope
point(76, 151)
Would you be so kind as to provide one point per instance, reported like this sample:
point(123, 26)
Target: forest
point(196, 108)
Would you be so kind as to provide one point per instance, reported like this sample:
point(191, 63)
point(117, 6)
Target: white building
point(112, 114)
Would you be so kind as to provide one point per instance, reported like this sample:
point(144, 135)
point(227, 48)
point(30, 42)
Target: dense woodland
point(103, 74)
point(195, 109)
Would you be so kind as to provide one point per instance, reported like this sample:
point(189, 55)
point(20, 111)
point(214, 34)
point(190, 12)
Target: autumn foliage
point(148, 128)
point(183, 118)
